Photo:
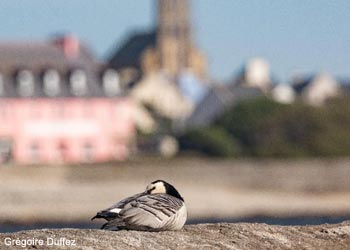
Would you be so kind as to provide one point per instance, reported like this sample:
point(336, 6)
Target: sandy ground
point(211, 188)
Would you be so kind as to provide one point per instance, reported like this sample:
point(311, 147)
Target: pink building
point(58, 104)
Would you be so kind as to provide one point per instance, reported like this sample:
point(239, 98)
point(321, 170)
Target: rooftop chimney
point(69, 44)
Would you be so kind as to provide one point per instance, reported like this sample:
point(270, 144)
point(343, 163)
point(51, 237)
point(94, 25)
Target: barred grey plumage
point(159, 208)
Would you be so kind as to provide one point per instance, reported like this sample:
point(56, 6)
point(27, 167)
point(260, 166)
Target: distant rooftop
point(59, 67)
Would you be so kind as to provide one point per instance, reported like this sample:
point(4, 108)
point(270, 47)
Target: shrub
point(213, 141)
point(269, 129)
point(264, 128)
point(292, 132)
point(245, 120)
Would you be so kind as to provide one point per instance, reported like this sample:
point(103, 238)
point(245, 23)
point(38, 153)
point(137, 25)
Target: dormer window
point(110, 82)
point(25, 83)
point(2, 87)
point(51, 82)
point(78, 82)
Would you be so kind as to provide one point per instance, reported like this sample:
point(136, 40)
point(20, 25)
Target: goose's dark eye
point(150, 190)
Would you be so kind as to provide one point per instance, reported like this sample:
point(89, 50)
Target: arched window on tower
point(25, 83)
point(78, 83)
point(51, 83)
point(110, 82)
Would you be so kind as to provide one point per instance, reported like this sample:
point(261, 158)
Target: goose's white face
point(156, 188)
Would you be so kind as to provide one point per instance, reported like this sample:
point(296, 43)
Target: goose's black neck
point(170, 190)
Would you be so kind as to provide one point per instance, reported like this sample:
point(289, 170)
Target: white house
point(283, 93)
point(316, 90)
point(257, 74)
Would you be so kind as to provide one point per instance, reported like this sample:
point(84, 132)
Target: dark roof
point(343, 81)
point(345, 89)
point(217, 100)
point(37, 57)
point(129, 54)
point(301, 83)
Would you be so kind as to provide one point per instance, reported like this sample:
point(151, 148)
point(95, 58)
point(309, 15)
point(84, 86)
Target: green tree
point(245, 120)
point(212, 141)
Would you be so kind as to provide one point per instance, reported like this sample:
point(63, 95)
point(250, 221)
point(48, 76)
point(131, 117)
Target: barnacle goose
point(160, 207)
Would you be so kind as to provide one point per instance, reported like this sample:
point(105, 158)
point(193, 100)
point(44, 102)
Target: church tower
point(174, 40)
point(169, 48)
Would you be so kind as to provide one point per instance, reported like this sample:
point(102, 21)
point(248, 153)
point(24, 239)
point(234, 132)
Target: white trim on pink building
point(73, 130)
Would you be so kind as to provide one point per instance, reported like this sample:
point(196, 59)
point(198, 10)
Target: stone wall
point(201, 236)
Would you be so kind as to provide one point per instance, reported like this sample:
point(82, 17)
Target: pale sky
point(294, 36)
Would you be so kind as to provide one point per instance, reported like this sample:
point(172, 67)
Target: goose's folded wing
point(152, 211)
point(122, 203)
point(113, 211)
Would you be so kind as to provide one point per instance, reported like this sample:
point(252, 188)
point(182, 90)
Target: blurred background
point(243, 106)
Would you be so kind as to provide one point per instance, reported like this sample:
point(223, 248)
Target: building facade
point(59, 104)
point(69, 130)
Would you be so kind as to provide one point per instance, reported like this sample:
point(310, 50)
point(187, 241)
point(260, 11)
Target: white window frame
point(25, 83)
point(2, 85)
point(51, 82)
point(111, 82)
point(78, 83)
